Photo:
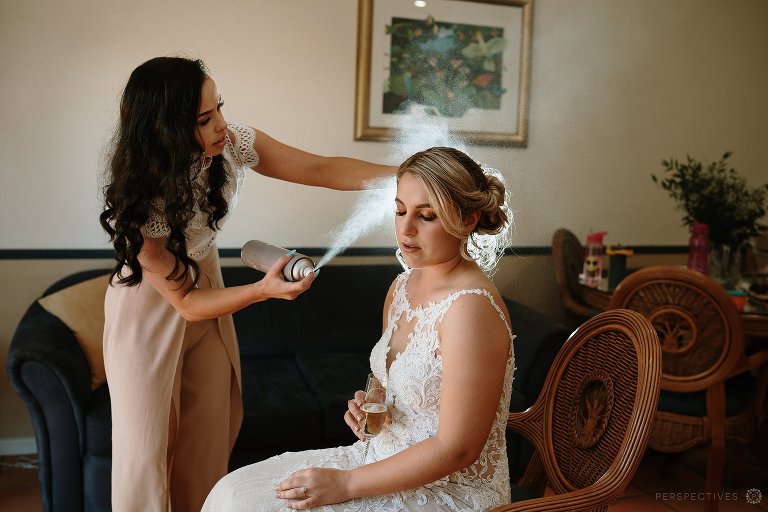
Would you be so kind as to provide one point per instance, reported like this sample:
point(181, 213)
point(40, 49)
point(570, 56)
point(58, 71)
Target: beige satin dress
point(175, 385)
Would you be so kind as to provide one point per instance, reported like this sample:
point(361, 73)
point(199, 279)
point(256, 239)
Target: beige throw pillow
point(81, 308)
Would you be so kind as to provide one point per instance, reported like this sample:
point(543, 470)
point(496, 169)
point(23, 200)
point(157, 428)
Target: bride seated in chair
point(445, 358)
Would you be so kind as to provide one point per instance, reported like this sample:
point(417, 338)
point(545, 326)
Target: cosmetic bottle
point(698, 248)
point(593, 259)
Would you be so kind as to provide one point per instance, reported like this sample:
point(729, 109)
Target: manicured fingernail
point(291, 252)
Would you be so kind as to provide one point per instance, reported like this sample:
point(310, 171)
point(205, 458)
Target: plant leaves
point(715, 195)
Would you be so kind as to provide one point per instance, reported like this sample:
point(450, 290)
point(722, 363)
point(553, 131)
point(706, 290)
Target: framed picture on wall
point(464, 62)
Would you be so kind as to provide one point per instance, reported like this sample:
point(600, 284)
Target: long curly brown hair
point(152, 156)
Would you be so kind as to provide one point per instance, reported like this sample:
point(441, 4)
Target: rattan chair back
point(590, 424)
point(698, 325)
point(568, 261)
point(702, 339)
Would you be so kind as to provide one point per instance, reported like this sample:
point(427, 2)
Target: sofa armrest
point(47, 368)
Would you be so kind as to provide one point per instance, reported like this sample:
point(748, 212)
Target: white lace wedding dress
point(413, 381)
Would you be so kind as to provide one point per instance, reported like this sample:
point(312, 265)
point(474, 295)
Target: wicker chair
point(708, 395)
point(568, 259)
point(756, 257)
point(591, 421)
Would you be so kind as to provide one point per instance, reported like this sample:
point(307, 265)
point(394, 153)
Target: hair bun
point(493, 218)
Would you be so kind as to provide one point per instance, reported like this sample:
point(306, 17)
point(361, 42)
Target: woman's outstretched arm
point(204, 302)
point(278, 160)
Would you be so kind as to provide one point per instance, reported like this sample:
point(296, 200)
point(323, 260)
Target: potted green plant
point(716, 195)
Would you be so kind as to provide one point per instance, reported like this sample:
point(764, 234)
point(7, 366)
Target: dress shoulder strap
point(446, 304)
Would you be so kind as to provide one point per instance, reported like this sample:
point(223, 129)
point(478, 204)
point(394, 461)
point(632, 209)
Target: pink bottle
point(593, 259)
point(698, 248)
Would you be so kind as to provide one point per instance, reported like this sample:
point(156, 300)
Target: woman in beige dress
point(171, 356)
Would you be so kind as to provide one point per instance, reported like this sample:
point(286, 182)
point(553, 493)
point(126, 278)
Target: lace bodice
point(414, 383)
point(238, 156)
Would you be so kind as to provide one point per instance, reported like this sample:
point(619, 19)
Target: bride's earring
point(464, 249)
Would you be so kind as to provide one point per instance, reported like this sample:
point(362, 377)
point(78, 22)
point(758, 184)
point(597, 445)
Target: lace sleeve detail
point(156, 226)
point(242, 146)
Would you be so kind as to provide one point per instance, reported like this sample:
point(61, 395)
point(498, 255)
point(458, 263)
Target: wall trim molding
point(18, 446)
point(85, 254)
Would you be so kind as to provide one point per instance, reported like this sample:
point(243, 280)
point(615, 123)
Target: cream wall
point(616, 86)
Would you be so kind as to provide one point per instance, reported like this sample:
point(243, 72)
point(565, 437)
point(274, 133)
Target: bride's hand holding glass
point(355, 414)
point(368, 412)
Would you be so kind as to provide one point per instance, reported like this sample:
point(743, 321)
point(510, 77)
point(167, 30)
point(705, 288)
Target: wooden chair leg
point(716, 449)
point(715, 465)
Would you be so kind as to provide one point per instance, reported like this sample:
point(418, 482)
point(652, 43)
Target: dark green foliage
point(717, 196)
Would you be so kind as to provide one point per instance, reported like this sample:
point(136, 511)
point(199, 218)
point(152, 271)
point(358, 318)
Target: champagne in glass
point(373, 420)
point(374, 409)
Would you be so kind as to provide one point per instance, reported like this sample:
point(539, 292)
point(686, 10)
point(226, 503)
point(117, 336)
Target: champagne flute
point(374, 410)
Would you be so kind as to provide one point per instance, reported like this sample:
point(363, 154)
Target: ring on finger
point(303, 491)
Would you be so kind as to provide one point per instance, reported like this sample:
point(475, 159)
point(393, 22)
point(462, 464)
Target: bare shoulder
point(474, 303)
point(473, 330)
point(473, 316)
point(478, 306)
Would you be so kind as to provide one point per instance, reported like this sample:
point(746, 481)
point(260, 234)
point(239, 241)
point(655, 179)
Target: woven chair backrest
point(698, 325)
point(600, 397)
point(568, 261)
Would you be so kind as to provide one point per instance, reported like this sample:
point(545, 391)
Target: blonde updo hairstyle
point(457, 187)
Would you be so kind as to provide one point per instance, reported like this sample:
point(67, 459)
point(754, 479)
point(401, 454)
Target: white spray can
point(261, 256)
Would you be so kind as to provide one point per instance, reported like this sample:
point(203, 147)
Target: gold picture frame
point(465, 61)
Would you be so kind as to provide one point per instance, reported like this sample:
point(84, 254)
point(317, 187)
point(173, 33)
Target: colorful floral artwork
point(464, 64)
point(447, 67)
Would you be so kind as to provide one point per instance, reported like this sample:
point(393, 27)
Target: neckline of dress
point(420, 309)
point(432, 304)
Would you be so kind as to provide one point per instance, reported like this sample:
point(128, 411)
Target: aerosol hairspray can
point(261, 256)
